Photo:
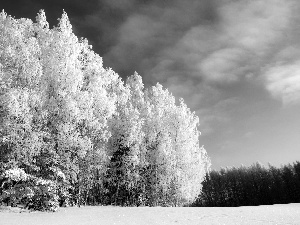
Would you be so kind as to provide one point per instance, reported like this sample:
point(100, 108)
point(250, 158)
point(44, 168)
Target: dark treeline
point(251, 186)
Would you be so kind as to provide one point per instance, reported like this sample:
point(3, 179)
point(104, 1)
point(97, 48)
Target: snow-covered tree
point(172, 140)
point(61, 110)
point(56, 97)
point(20, 72)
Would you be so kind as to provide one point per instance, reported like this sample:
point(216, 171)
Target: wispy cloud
point(215, 114)
point(283, 81)
point(238, 42)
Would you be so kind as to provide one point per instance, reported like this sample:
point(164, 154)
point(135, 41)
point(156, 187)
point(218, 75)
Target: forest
point(251, 186)
point(74, 133)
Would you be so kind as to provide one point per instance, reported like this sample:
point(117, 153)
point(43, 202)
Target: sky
point(236, 63)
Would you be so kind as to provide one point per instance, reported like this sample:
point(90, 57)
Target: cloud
point(283, 82)
point(254, 25)
point(148, 34)
point(215, 114)
point(237, 44)
point(120, 5)
point(248, 134)
point(223, 65)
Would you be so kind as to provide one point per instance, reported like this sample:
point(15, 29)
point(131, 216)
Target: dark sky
point(235, 62)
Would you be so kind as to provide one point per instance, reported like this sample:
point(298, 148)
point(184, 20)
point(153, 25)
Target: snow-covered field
point(108, 215)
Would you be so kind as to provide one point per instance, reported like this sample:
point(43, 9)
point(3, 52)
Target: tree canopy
point(113, 141)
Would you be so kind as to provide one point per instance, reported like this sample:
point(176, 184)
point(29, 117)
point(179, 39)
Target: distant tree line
point(251, 186)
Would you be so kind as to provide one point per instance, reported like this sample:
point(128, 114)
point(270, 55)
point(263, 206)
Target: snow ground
point(110, 215)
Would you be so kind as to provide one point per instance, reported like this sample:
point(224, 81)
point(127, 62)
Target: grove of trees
point(248, 186)
point(71, 131)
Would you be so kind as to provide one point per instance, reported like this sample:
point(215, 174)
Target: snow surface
point(110, 215)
